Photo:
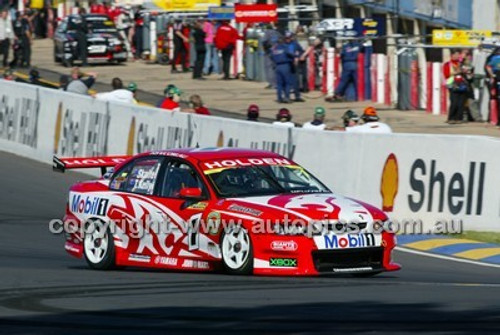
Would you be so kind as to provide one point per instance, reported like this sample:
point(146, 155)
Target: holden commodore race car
point(104, 43)
point(242, 211)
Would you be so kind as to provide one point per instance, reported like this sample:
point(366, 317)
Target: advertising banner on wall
point(182, 5)
point(221, 13)
point(453, 181)
point(223, 132)
point(256, 13)
point(20, 120)
point(465, 38)
point(358, 27)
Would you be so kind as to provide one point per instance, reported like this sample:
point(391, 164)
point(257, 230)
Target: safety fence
point(455, 180)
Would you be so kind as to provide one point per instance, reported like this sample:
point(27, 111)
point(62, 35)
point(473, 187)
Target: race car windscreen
point(247, 181)
point(101, 25)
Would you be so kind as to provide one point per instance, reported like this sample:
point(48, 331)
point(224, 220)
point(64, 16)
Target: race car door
point(181, 189)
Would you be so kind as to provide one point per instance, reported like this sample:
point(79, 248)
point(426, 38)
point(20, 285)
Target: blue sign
point(357, 27)
point(221, 13)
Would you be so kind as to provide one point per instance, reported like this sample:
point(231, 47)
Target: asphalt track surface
point(45, 291)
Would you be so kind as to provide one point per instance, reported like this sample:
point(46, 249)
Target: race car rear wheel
point(98, 245)
point(237, 251)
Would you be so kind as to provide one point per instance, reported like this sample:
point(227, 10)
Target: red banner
point(256, 13)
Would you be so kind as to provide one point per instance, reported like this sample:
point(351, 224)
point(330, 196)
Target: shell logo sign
point(389, 183)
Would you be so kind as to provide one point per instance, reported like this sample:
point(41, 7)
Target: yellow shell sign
point(186, 5)
point(459, 37)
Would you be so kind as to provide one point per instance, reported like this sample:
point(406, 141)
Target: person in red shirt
point(171, 100)
point(225, 41)
point(196, 104)
point(453, 74)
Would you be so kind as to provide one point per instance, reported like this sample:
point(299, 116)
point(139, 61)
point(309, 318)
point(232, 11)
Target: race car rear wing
point(63, 164)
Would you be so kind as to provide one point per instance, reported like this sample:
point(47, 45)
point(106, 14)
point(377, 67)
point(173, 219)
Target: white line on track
point(449, 258)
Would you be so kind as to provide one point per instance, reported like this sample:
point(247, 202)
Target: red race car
point(242, 211)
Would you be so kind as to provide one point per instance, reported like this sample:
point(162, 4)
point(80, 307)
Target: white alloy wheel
point(237, 250)
point(98, 245)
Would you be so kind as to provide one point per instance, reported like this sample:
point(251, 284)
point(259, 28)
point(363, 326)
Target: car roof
point(202, 154)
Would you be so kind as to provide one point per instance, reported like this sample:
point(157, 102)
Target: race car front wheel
point(98, 245)
point(237, 252)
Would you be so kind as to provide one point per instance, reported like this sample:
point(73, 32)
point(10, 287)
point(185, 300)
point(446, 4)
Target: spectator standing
point(180, 50)
point(78, 84)
point(371, 124)
point(79, 25)
point(318, 122)
point(22, 30)
point(119, 93)
point(492, 68)
point(196, 104)
point(296, 50)
point(212, 54)
point(271, 38)
point(349, 57)
point(137, 39)
point(225, 40)
point(283, 62)
point(302, 38)
point(6, 35)
point(171, 100)
point(283, 118)
point(199, 45)
point(253, 113)
point(480, 78)
point(457, 86)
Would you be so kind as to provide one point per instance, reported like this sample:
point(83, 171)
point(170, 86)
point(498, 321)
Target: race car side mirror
point(190, 193)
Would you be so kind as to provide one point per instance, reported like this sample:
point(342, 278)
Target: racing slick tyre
point(98, 246)
point(237, 250)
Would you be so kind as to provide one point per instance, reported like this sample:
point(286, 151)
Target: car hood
point(318, 206)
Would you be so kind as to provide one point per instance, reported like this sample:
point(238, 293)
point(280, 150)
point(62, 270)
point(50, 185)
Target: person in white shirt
point(118, 94)
point(6, 35)
point(371, 123)
point(318, 122)
point(283, 119)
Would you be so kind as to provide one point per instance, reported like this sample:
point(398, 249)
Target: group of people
point(369, 122)
point(209, 39)
point(16, 34)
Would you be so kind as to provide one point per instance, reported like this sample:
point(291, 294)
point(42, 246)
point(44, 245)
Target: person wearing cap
point(318, 122)
point(132, 87)
point(80, 85)
point(283, 119)
point(253, 113)
point(119, 93)
point(297, 51)
point(350, 119)
point(371, 123)
point(172, 99)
